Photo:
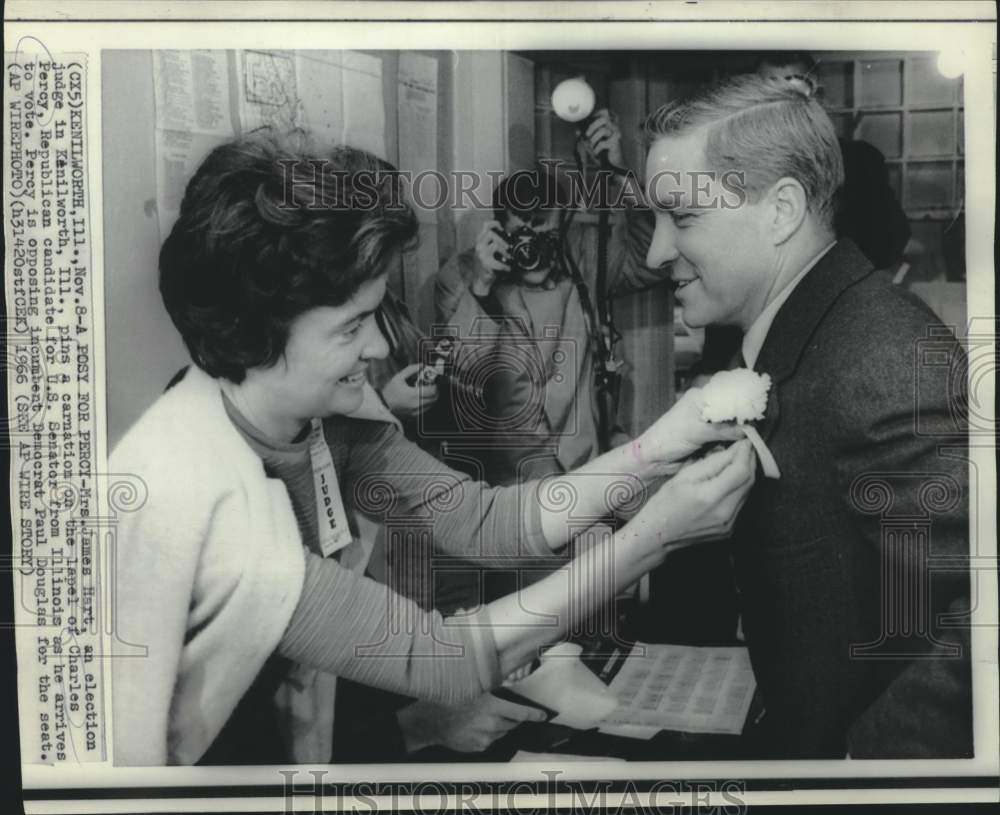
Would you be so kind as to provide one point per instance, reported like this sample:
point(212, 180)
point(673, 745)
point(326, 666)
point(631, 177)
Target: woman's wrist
point(640, 546)
point(655, 456)
point(636, 460)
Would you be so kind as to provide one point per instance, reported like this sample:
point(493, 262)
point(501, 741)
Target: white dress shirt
point(753, 340)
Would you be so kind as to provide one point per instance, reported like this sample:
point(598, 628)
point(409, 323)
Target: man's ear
point(789, 208)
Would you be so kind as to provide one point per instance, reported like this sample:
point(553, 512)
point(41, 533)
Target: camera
point(491, 359)
point(531, 250)
point(438, 357)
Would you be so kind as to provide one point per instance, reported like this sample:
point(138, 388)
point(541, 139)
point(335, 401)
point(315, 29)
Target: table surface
point(667, 745)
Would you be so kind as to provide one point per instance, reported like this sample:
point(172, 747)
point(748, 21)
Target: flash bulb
point(573, 99)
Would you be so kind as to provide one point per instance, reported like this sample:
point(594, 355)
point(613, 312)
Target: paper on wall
point(268, 93)
point(192, 91)
point(319, 75)
point(192, 106)
point(418, 136)
point(364, 111)
point(416, 104)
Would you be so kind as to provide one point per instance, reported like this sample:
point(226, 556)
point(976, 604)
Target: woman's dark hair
point(268, 230)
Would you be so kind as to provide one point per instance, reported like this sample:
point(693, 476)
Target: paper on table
point(564, 684)
point(558, 758)
point(676, 687)
point(629, 731)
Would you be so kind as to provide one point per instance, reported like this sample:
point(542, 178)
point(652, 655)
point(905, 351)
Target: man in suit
point(850, 563)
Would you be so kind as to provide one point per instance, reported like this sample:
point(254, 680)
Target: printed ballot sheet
point(678, 687)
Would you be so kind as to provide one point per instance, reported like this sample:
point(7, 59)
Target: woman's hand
point(490, 244)
point(405, 400)
point(468, 728)
point(681, 432)
point(700, 503)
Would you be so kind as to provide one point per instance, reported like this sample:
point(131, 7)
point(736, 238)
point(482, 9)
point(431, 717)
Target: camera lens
point(525, 254)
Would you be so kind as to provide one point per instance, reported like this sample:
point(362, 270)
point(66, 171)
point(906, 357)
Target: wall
point(143, 349)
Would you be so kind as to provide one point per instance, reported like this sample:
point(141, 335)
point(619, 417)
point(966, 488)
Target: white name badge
point(334, 532)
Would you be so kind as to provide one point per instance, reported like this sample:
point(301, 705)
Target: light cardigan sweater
point(210, 568)
point(218, 543)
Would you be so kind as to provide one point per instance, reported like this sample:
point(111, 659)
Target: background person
point(530, 336)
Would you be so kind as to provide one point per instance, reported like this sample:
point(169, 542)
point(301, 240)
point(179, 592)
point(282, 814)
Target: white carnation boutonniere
point(740, 396)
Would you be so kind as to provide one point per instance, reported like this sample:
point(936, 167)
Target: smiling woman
point(241, 574)
point(322, 370)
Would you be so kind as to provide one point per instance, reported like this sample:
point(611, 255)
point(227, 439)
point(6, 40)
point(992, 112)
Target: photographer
point(523, 303)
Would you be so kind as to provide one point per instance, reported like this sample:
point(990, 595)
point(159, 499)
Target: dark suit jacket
point(848, 562)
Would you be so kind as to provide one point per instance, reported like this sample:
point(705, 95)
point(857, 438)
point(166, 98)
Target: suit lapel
point(802, 312)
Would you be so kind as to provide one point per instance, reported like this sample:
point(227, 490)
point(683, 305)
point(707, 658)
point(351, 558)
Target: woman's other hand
point(700, 503)
point(467, 728)
point(406, 400)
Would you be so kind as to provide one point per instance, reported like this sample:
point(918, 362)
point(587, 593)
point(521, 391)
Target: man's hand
point(493, 254)
point(603, 136)
point(701, 502)
point(468, 728)
point(681, 432)
point(405, 400)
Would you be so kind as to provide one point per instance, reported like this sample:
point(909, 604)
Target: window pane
point(881, 83)
point(926, 86)
point(882, 130)
point(895, 172)
point(842, 123)
point(929, 184)
point(931, 133)
point(836, 79)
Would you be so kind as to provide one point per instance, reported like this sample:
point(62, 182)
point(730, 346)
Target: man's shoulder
point(868, 344)
point(876, 314)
